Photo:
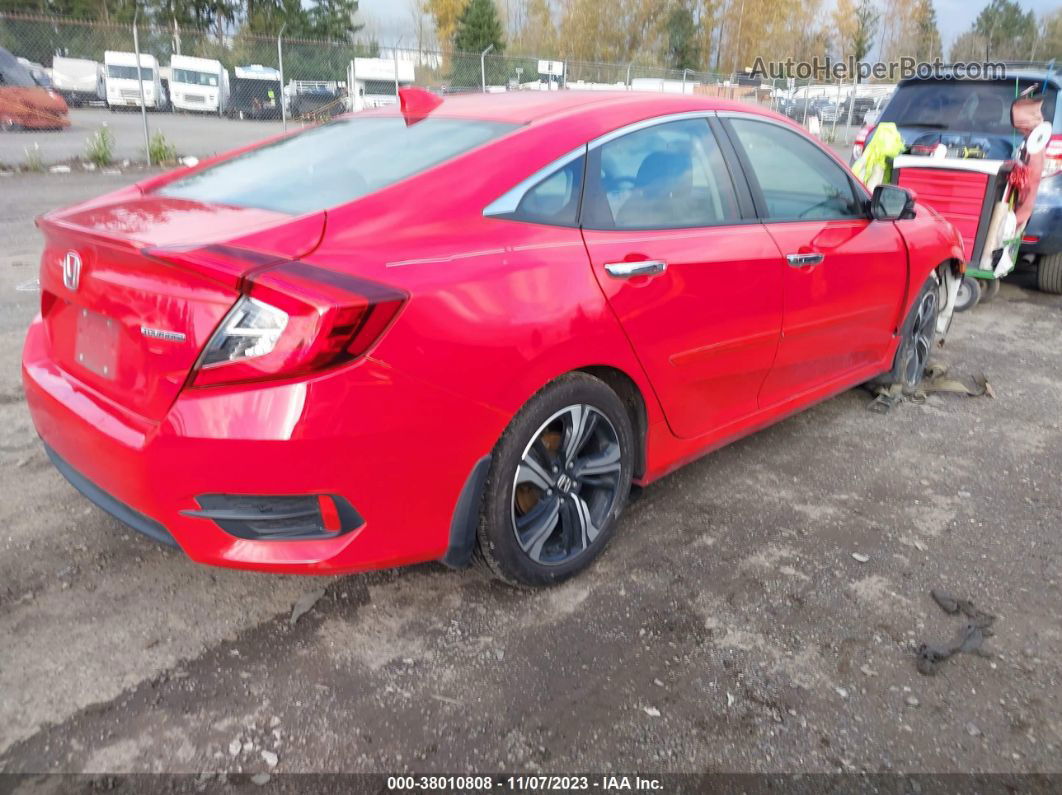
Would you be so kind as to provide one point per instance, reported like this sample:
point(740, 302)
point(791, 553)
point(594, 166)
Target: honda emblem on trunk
point(71, 270)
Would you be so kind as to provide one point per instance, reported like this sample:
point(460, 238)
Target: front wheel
point(559, 479)
point(917, 335)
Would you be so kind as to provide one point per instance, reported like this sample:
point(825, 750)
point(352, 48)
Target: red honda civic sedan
point(463, 328)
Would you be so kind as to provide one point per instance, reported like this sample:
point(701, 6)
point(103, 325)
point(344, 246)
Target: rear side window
point(962, 106)
point(334, 164)
point(554, 200)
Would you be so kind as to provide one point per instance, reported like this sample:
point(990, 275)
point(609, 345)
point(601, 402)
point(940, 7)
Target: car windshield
point(334, 163)
point(961, 106)
point(188, 77)
point(129, 73)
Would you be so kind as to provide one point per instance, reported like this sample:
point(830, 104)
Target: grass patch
point(99, 148)
point(160, 150)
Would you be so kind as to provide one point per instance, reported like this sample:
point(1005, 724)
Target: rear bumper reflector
point(116, 508)
point(279, 518)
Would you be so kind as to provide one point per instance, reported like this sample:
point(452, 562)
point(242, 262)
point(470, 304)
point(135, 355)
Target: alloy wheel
point(566, 484)
point(921, 342)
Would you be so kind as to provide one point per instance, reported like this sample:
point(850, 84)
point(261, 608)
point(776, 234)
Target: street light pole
point(140, 82)
point(483, 67)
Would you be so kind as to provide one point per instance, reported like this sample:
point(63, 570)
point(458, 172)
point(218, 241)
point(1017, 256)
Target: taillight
point(294, 319)
point(1053, 156)
point(861, 140)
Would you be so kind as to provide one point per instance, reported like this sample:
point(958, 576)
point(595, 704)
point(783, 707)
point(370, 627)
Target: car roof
point(1021, 74)
point(526, 107)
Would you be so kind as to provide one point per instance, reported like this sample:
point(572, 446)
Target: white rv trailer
point(198, 84)
point(372, 81)
point(79, 80)
point(123, 89)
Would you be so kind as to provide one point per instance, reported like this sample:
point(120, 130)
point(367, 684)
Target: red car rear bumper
point(368, 433)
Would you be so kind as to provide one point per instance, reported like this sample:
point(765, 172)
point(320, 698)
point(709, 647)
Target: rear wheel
point(7, 124)
point(969, 294)
point(1049, 273)
point(559, 479)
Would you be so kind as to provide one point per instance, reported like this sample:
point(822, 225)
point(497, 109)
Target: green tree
point(865, 29)
point(334, 19)
point(478, 27)
point(683, 47)
point(1050, 43)
point(1007, 30)
point(927, 43)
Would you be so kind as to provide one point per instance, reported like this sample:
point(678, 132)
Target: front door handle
point(625, 270)
point(803, 260)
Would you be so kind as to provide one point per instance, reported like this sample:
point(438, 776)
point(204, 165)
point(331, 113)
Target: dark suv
point(976, 114)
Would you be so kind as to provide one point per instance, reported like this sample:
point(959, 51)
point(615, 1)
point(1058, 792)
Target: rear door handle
point(625, 270)
point(803, 260)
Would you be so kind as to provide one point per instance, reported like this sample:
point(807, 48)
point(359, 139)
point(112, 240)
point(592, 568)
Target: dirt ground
point(727, 628)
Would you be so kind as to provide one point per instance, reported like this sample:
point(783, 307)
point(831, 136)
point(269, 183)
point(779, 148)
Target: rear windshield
point(960, 105)
point(334, 163)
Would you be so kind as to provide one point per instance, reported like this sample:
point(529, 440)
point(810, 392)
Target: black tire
point(989, 289)
point(969, 294)
point(565, 518)
point(1049, 273)
point(917, 338)
point(7, 124)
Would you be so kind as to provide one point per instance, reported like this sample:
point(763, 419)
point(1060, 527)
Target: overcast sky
point(390, 19)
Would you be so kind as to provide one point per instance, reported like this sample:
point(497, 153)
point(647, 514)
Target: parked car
point(803, 107)
point(314, 99)
point(24, 104)
point(80, 81)
point(860, 107)
point(975, 115)
point(256, 93)
point(417, 331)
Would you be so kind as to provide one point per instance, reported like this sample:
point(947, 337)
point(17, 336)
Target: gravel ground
point(728, 628)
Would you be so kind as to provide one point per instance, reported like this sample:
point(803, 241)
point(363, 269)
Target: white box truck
point(198, 84)
point(122, 82)
point(80, 81)
point(372, 81)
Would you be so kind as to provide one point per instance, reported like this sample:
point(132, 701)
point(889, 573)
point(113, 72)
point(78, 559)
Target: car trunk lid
point(131, 326)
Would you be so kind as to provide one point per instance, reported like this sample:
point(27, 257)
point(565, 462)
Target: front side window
point(798, 181)
point(334, 164)
point(667, 176)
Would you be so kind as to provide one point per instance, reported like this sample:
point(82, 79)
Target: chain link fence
point(195, 84)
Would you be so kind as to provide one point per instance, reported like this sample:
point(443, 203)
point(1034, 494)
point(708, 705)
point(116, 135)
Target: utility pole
point(140, 82)
point(280, 63)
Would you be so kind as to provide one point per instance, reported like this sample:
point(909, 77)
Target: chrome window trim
point(507, 203)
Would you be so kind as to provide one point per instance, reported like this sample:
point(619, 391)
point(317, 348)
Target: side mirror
point(891, 203)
